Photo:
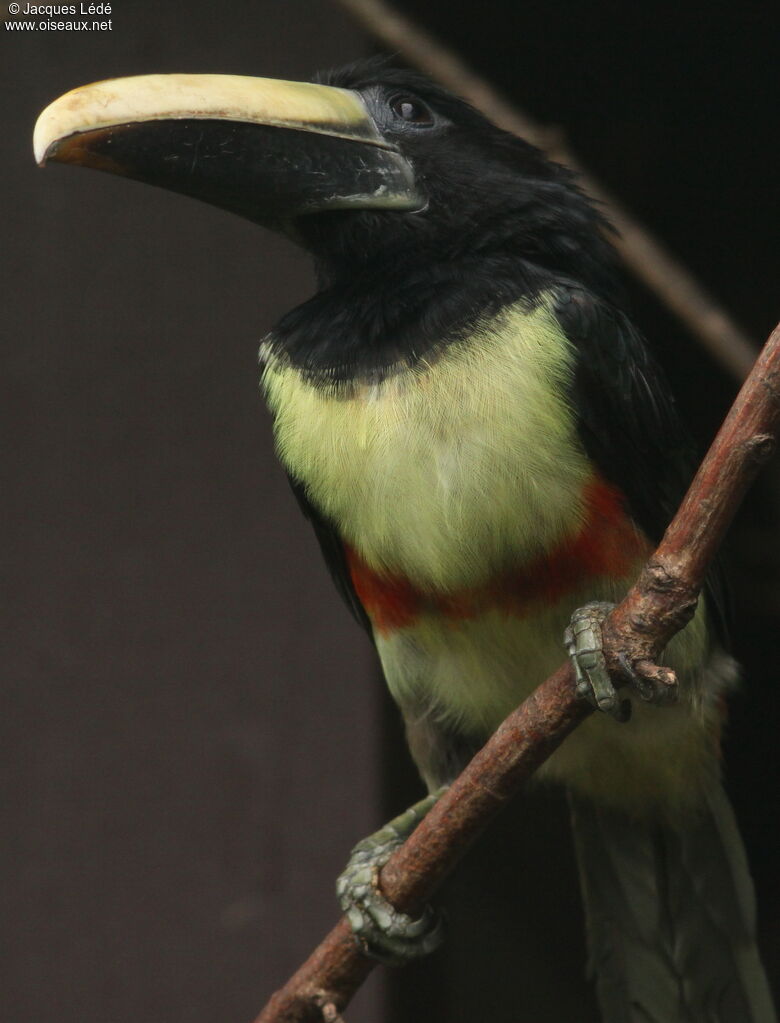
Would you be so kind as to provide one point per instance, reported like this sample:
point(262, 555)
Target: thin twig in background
point(657, 606)
point(649, 260)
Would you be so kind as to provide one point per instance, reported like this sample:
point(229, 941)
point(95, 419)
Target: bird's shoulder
point(629, 422)
point(627, 416)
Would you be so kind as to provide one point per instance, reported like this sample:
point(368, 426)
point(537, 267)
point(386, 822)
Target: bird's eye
point(411, 109)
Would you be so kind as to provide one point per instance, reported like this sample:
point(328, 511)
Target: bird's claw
point(382, 931)
point(584, 644)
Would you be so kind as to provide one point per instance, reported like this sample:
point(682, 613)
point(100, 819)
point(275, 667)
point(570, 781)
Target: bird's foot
point(382, 931)
point(584, 644)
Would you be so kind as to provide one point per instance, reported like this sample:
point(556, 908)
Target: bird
point(487, 451)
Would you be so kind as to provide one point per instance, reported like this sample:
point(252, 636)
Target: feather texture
point(670, 915)
point(448, 472)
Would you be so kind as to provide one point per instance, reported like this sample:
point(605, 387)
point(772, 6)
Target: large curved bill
point(266, 149)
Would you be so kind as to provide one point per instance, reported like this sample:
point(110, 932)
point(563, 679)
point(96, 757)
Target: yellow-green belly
point(445, 476)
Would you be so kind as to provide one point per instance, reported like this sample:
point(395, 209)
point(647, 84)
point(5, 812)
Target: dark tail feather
point(671, 917)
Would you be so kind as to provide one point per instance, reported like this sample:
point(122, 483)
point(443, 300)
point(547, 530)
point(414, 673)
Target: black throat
point(381, 319)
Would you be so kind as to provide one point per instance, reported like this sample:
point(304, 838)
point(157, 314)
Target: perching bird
point(483, 445)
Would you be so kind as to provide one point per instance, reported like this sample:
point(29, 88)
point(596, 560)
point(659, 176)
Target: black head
point(421, 215)
point(485, 192)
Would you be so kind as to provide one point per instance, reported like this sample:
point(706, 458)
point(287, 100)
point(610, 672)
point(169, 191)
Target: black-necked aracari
point(484, 445)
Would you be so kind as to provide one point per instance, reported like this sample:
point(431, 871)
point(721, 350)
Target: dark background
point(193, 732)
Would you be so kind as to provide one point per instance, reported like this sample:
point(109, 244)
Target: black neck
point(384, 319)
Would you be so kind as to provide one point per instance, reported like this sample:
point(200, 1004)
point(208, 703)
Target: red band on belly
point(606, 545)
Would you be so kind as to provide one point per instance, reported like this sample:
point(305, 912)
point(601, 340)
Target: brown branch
point(649, 260)
point(657, 606)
